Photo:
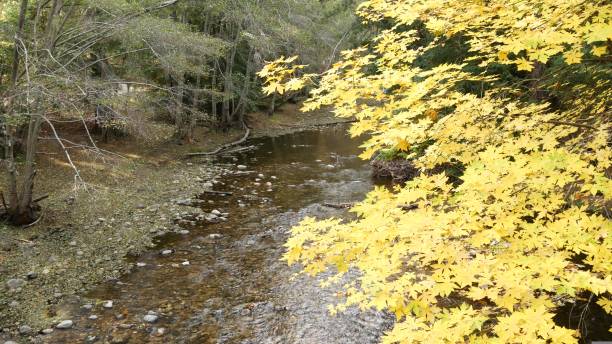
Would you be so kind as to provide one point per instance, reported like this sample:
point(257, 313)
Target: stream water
point(235, 288)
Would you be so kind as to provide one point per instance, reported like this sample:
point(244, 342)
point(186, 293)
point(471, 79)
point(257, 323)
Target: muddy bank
point(87, 231)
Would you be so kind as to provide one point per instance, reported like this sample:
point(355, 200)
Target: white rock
point(241, 167)
point(93, 317)
point(260, 175)
point(108, 304)
point(150, 318)
point(216, 212)
point(140, 265)
point(215, 236)
point(273, 177)
point(65, 324)
point(47, 331)
point(185, 263)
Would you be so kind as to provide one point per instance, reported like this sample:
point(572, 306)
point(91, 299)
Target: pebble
point(47, 331)
point(215, 236)
point(66, 324)
point(260, 175)
point(91, 339)
point(10, 342)
point(185, 263)
point(140, 265)
point(108, 304)
point(241, 167)
point(273, 177)
point(269, 184)
point(93, 317)
point(151, 317)
point(72, 243)
point(32, 275)
point(216, 212)
point(183, 232)
point(166, 252)
point(24, 329)
point(88, 306)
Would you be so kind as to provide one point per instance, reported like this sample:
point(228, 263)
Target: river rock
point(241, 167)
point(150, 318)
point(166, 252)
point(24, 329)
point(93, 317)
point(108, 304)
point(65, 324)
point(216, 212)
point(47, 331)
point(215, 236)
point(186, 202)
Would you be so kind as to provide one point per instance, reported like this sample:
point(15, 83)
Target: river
point(224, 282)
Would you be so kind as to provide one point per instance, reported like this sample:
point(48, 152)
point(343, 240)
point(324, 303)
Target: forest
point(305, 171)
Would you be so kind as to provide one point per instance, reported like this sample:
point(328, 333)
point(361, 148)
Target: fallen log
point(339, 205)
point(223, 147)
point(222, 193)
point(350, 205)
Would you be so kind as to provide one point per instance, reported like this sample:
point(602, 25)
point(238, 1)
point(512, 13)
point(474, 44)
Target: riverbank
point(130, 196)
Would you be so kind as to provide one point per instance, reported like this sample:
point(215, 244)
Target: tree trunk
point(272, 106)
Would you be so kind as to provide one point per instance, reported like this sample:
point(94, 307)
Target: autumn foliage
point(523, 111)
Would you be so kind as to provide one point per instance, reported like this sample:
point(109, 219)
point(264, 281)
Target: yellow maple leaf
point(572, 57)
point(523, 64)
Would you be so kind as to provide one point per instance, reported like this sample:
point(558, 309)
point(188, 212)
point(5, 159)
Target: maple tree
point(525, 112)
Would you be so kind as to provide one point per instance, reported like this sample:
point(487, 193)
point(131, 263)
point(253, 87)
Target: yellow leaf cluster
point(485, 258)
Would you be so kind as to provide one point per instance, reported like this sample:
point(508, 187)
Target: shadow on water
point(225, 283)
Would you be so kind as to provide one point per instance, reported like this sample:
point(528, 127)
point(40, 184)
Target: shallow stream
point(224, 282)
